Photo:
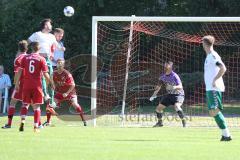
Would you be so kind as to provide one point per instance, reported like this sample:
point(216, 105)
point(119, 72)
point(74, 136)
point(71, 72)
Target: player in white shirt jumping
point(47, 41)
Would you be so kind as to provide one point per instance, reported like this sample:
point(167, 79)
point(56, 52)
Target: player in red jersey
point(34, 66)
point(64, 88)
point(17, 95)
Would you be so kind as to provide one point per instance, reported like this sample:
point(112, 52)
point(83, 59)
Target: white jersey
point(211, 70)
point(46, 40)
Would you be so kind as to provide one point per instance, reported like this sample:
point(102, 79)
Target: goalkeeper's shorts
point(171, 99)
point(214, 100)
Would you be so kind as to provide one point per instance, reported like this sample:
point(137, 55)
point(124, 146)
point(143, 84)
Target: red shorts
point(18, 94)
point(59, 97)
point(32, 96)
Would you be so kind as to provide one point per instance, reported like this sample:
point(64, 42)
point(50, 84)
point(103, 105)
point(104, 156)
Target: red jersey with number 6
point(33, 66)
point(63, 81)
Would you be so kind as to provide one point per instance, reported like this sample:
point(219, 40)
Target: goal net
point(130, 53)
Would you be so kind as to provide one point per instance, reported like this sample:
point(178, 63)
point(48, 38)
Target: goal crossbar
point(166, 19)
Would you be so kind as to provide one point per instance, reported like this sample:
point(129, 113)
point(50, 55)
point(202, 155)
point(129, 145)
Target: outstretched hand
point(152, 98)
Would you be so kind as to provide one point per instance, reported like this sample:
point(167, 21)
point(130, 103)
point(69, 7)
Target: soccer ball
point(68, 11)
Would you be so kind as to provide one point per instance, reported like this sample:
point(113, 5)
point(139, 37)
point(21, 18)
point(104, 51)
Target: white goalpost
point(129, 45)
point(127, 69)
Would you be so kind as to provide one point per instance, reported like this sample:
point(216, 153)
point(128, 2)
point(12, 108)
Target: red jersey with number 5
point(63, 81)
point(33, 66)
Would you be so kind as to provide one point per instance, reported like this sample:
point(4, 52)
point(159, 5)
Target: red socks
point(37, 115)
point(79, 110)
point(11, 112)
point(23, 113)
point(49, 115)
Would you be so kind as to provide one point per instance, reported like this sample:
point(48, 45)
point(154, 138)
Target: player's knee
point(36, 107)
point(75, 105)
point(56, 101)
point(13, 102)
point(177, 106)
point(213, 112)
point(27, 106)
point(74, 102)
point(160, 107)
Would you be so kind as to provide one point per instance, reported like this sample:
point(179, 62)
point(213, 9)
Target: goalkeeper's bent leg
point(159, 117)
point(159, 112)
point(180, 113)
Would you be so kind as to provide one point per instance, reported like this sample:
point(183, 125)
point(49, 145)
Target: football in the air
point(68, 11)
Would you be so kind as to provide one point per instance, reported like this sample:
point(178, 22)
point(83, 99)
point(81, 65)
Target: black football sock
point(181, 114)
point(159, 117)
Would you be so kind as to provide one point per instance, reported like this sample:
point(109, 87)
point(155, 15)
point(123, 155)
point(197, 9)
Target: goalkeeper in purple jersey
point(174, 96)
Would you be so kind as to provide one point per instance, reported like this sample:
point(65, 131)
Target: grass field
point(73, 141)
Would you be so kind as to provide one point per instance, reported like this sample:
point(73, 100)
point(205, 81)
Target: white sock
point(225, 132)
point(36, 125)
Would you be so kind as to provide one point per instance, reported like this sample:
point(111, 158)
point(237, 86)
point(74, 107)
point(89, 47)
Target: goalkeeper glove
point(152, 98)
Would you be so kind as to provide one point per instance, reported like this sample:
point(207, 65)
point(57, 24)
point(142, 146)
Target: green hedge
point(20, 18)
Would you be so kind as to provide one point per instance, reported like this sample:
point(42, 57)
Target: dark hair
point(169, 62)
point(23, 46)
point(43, 22)
point(208, 40)
point(58, 30)
point(60, 59)
point(34, 46)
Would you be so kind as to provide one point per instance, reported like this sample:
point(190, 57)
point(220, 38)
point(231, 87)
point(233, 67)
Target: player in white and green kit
point(214, 69)
point(46, 40)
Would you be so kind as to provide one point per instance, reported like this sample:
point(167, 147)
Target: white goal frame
point(131, 19)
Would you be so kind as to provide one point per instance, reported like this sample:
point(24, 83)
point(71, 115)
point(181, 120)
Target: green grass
point(69, 141)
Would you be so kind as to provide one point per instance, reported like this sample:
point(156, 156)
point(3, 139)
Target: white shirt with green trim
point(211, 70)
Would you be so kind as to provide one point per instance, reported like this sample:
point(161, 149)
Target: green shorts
point(214, 100)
